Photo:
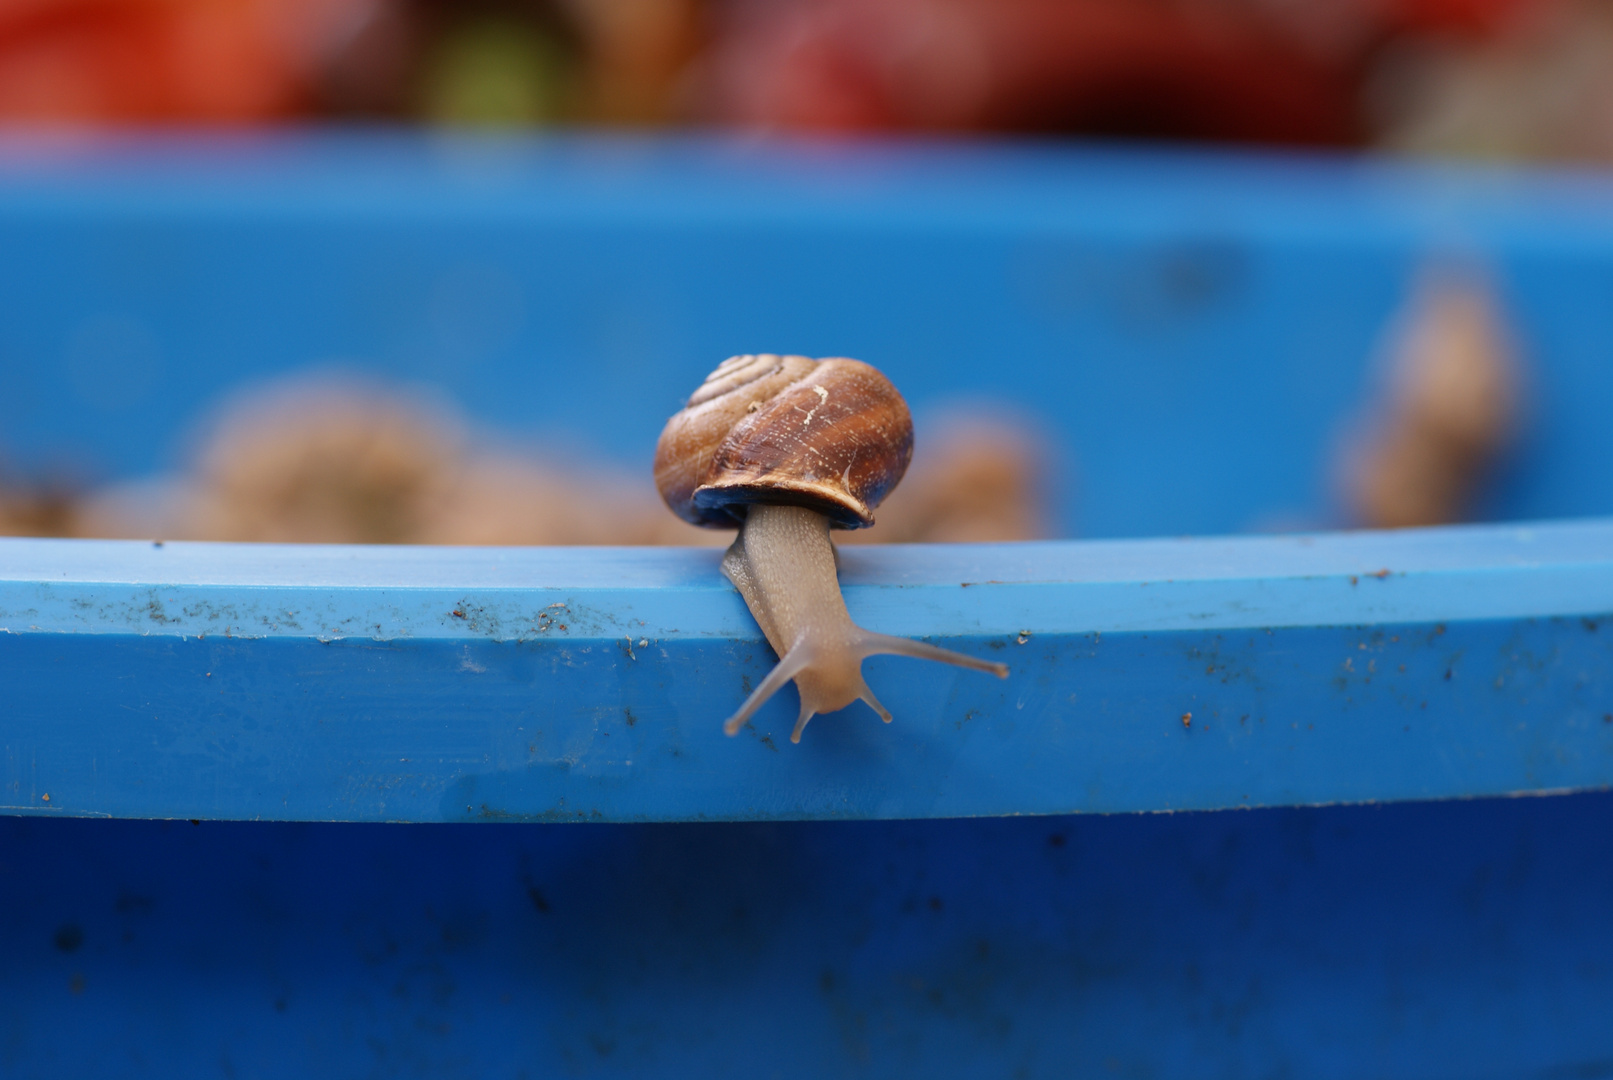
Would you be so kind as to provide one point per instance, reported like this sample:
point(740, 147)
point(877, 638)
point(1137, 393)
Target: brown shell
point(833, 435)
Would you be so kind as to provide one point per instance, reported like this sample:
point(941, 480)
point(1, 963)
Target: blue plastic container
point(968, 891)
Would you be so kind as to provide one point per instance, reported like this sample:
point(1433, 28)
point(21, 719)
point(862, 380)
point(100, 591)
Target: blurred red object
point(1272, 71)
point(155, 60)
point(1248, 70)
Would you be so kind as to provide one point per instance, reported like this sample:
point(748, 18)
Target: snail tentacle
point(794, 662)
point(887, 645)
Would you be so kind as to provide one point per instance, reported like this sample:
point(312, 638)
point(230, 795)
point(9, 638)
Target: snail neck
point(795, 586)
point(784, 567)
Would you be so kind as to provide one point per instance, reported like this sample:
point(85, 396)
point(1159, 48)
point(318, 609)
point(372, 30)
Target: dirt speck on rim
point(1187, 719)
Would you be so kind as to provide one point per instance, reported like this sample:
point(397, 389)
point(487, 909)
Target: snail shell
point(832, 435)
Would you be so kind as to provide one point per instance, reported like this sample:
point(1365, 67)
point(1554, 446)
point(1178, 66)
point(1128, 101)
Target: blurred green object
point(497, 71)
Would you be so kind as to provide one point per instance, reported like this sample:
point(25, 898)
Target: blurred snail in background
point(1451, 408)
point(785, 448)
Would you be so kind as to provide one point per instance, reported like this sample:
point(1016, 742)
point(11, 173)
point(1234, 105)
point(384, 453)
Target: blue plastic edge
point(193, 680)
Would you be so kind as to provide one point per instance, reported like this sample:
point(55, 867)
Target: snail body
point(786, 447)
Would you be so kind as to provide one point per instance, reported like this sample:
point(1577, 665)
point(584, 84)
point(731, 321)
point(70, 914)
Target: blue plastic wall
point(1466, 939)
point(1191, 333)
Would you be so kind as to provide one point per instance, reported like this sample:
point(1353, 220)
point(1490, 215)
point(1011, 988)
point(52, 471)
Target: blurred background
point(324, 453)
point(1494, 78)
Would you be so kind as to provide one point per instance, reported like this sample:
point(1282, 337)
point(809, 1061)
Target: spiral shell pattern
point(832, 435)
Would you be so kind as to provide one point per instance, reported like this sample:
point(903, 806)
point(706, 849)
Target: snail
point(786, 448)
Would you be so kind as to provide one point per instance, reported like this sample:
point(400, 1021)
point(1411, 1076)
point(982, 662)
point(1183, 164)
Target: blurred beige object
point(1544, 91)
point(325, 461)
point(1449, 411)
point(328, 460)
point(37, 512)
point(977, 478)
point(331, 460)
point(512, 499)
